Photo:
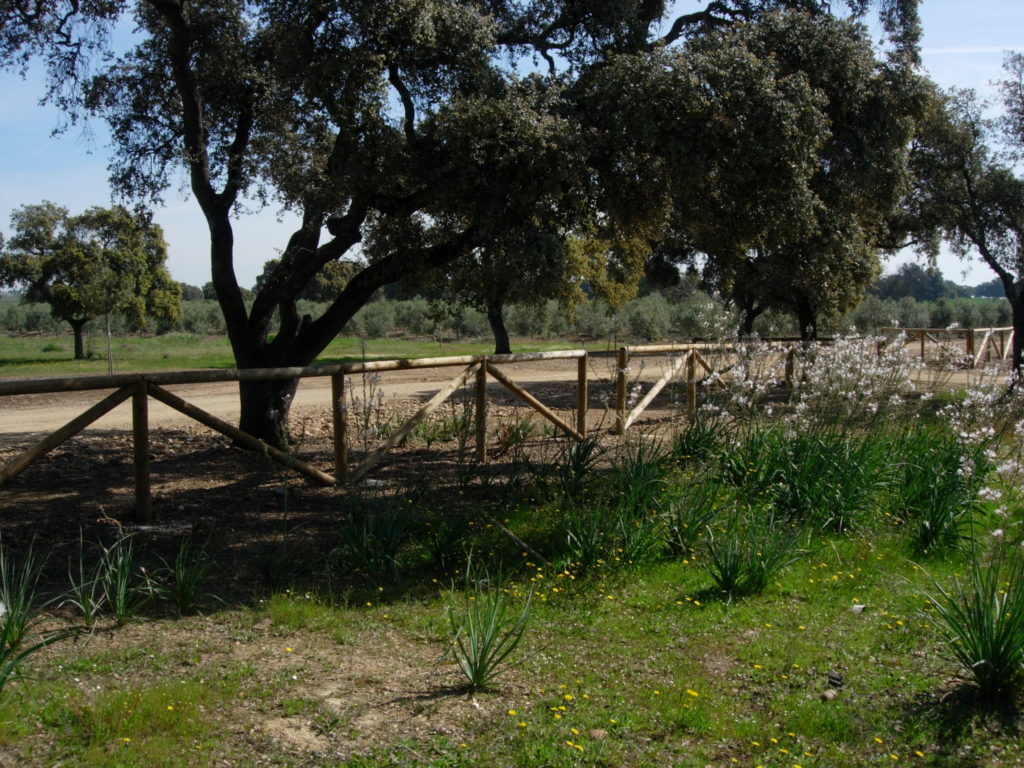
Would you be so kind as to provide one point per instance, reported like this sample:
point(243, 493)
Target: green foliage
point(372, 539)
point(484, 631)
point(981, 619)
point(101, 262)
point(936, 487)
point(18, 598)
point(126, 586)
point(86, 585)
point(18, 606)
point(747, 550)
point(185, 576)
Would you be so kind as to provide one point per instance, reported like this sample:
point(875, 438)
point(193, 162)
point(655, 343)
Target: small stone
point(857, 608)
point(598, 734)
point(829, 694)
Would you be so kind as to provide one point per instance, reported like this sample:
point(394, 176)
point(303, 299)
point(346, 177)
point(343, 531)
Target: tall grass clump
point(185, 576)
point(372, 539)
point(936, 487)
point(18, 606)
point(484, 631)
point(982, 621)
point(18, 599)
point(126, 586)
point(745, 553)
point(85, 590)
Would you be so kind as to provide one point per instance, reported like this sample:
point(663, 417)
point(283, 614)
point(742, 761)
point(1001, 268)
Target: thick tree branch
point(409, 123)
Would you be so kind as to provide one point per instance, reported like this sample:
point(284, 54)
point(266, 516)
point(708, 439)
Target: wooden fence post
point(691, 382)
point(622, 360)
point(970, 345)
point(140, 439)
point(481, 412)
point(923, 337)
point(582, 395)
point(339, 414)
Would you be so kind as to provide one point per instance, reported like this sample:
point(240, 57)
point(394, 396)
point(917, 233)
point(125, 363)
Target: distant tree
point(190, 292)
point(922, 284)
point(102, 262)
point(993, 289)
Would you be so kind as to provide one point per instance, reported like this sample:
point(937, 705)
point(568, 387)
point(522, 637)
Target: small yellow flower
point(511, 711)
point(170, 707)
point(879, 741)
point(691, 692)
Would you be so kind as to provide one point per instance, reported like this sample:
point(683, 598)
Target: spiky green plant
point(982, 621)
point(484, 631)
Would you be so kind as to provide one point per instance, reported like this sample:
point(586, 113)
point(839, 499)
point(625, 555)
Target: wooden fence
point(996, 342)
point(139, 387)
point(142, 386)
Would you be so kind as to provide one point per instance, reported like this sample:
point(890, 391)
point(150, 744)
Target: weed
point(18, 582)
point(483, 630)
point(86, 586)
point(126, 587)
point(373, 539)
point(576, 464)
point(749, 551)
point(185, 575)
point(982, 621)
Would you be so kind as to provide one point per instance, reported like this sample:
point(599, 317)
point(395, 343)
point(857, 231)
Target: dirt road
point(25, 416)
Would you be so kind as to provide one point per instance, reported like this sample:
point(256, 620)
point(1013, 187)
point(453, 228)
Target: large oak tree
point(416, 132)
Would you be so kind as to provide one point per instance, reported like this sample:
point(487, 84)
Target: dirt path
point(24, 416)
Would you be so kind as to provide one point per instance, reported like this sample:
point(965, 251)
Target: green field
point(52, 355)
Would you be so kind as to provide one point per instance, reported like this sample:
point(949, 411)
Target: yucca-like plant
point(86, 592)
point(126, 588)
point(18, 607)
point(18, 581)
point(185, 576)
point(745, 554)
point(981, 619)
point(484, 631)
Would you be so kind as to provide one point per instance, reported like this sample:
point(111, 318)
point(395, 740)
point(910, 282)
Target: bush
point(649, 318)
point(982, 622)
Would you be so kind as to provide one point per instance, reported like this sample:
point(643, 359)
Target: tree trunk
point(497, 321)
point(807, 319)
point(265, 406)
point(747, 317)
point(1017, 309)
point(76, 327)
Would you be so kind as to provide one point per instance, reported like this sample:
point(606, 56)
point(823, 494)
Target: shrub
point(982, 622)
point(483, 630)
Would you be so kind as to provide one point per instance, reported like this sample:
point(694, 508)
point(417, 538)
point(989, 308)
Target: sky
point(964, 46)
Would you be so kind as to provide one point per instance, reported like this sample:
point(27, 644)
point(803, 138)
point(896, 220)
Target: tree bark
point(1017, 310)
point(265, 406)
point(76, 327)
point(497, 321)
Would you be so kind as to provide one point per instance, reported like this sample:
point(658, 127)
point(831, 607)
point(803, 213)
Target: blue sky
point(964, 45)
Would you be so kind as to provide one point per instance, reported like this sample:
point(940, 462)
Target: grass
point(618, 668)
point(843, 651)
point(52, 355)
